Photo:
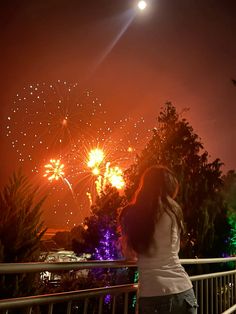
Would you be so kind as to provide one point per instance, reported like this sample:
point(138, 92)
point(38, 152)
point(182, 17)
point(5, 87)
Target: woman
point(151, 226)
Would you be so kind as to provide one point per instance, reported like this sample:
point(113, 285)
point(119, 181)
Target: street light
point(142, 5)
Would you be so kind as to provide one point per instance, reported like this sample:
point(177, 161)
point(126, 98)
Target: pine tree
point(100, 239)
point(100, 226)
point(20, 233)
point(175, 144)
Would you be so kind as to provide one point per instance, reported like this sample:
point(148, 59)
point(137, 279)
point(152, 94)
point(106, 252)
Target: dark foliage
point(20, 233)
point(175, 144)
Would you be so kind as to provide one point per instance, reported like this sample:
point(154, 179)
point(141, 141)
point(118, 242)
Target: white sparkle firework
point(52, 119)
point(60, 120)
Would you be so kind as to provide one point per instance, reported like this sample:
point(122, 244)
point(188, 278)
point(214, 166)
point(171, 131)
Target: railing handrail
point(75, 295)
point(65, 296)
point(212, 275)
point(230, 310)
point(7, 268)
point(13, 268)
point(190, 261)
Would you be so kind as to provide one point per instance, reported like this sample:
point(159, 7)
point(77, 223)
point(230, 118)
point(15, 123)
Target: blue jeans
point(180, 303)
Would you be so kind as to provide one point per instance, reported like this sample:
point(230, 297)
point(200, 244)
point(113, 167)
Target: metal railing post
point(69, 305)
point(126, 298)
point(100, 305)
point(114, 304)
point(211, 291)
point(216, 292)
point(86, 306)
point(50, 308)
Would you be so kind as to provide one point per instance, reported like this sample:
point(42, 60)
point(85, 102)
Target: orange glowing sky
point(180, 51)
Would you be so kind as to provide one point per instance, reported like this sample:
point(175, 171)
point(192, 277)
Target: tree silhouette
point(229, 193)
point(101, 227)
point(20, 233)
point(175, 144)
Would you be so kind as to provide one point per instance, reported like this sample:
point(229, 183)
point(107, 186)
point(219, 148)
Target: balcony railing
point(215, 292)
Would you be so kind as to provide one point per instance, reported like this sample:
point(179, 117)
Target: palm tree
point(21, 230)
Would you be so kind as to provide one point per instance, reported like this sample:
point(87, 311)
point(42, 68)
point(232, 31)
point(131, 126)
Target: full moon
point(142, 5)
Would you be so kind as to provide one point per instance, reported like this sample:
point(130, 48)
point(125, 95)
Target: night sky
point(132, 63)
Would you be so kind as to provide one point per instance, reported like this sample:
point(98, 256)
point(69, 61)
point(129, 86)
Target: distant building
point(48, 246)
point(56, 255)
point(50, 232)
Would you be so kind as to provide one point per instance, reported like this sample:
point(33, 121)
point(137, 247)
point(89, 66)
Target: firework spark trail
point(90, 198)
point(69, 185)
point(52, 119)
point(57, 119)
point(55, 170)
point(111, 175)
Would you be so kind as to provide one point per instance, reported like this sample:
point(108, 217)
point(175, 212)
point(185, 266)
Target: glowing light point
point(115, 177)
point(96, 171)
point(142, 5)
point(54, 170)
point(96, 157)
point(64, 121)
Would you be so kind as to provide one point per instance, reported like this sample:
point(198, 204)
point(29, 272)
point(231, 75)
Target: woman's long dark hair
point(138, 219)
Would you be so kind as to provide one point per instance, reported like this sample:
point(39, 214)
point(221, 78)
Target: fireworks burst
point(96, 157)
point(115, 177)
point(111, 175)
point(54, 170)
point(58, 119)
point(52, 119)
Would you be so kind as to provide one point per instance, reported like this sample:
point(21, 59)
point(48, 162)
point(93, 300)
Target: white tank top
point(161, 273)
